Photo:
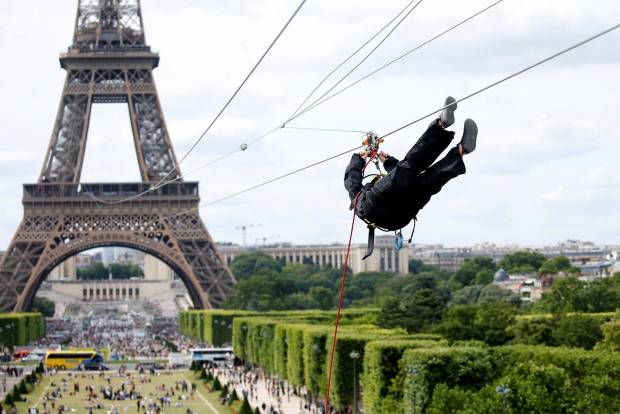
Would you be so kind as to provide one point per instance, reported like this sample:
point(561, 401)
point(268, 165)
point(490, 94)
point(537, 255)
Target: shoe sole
point(447, 114)
point(470, 134)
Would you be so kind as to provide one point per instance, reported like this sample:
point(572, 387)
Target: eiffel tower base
point(62, 220)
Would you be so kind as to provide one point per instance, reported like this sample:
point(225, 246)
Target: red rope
point(344, 278)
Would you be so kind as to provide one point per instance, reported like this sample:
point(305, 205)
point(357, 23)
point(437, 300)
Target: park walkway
point(265, 391)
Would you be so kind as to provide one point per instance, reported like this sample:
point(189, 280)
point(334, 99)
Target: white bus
point(219, 356)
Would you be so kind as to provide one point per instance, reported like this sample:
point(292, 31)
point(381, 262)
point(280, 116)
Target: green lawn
point(203, 402)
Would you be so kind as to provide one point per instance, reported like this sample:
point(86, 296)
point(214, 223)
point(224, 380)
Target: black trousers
point(398, 197)
point(417, 175)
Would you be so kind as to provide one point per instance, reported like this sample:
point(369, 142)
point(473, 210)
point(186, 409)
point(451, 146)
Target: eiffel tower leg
point(65, 155)
point(199, 250)
point(61, 220)
point(152, 142)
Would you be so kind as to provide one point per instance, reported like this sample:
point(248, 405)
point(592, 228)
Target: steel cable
point(485, 88)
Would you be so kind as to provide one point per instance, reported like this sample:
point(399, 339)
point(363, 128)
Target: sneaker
point(447, 114)
point(470, 133)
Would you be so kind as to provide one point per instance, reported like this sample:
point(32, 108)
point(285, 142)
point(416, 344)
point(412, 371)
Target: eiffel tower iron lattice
point(110, 62)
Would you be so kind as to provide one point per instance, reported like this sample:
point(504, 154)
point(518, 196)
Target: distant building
point(590, 259)
point(62, 284)
point(83, 261)
point(452, 258)
point(529, 287)
point(384, 259)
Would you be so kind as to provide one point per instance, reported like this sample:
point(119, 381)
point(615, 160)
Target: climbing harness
point(371, 147)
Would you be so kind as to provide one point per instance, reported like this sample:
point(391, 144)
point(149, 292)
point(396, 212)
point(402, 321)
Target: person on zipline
point(396, 198)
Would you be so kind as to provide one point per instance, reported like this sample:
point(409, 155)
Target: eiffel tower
point(110, 62)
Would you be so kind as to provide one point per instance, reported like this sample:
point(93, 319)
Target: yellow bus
point(70, 359)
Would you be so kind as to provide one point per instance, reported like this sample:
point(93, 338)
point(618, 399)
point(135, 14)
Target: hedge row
point(298, 351)
point(18, 329)
point(511, 379)
point(214, 327)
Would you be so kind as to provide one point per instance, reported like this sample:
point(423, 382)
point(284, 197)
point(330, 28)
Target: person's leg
point(431, 181)
point(422, 155)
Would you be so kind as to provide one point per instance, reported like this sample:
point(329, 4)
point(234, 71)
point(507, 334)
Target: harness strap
point(371, 242)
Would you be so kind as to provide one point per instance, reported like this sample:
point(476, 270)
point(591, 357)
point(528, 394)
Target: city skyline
point(545, 169)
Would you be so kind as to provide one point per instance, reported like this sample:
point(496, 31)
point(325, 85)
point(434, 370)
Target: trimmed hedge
point(315, 355)
point(295, 355)
point(380, 381)
point(215, 326)
point(470, 379)
point(425, 368)
point(260, 343)
point(349, 341)
point(578, 363)
point(18, 329)
point(280, 351)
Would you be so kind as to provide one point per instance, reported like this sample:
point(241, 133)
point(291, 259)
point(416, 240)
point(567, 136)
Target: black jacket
point(379, 203)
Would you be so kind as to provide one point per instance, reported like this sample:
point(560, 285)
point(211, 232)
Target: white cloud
point(550, 129)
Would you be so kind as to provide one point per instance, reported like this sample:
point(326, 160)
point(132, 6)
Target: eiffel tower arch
point(110, 62)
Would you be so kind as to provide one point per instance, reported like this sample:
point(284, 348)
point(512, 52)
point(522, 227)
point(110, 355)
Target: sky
point(545, 168)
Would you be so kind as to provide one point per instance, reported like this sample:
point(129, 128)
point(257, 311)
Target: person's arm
point(389, 162)
point(353, 176)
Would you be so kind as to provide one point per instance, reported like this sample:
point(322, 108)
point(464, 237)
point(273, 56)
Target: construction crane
point(244, 228)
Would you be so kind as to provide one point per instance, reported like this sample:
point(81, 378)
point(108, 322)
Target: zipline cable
point(273, 42)
point(321, 101)
point(210, 163)
point(356, 52)
point(321, 83)
point(162, 183)
point(263, 183)
point(201, 137)
point(314, 105)
point(502, 80)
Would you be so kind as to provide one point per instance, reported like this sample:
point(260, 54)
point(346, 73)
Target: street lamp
point(355, 356)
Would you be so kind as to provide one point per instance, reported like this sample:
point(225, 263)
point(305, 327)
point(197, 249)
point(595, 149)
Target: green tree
point(245, 407)
point(44, 306)
point(522, 262)
point(8, 400)
point(246, 265)
point(535, 331)
point(23, 389)
point(566, 295)
point(15, 395)
point(478, 270)
point(468, 295)
point(527, 380)
point(217, 385)
point(549, 267)
point(492, 321)
point(321, 298)
point(392, 313)
point(493, 293)
point(423, 309)
point(576, 331)
point(488, 323)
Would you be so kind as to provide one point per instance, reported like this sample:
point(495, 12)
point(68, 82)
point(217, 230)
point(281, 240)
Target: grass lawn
point(202, 402)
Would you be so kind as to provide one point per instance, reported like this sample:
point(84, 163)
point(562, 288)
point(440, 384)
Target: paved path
point(11, 381)
point(290, 404)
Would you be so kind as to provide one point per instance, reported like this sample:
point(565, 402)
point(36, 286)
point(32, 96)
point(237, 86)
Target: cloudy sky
point(546, 167)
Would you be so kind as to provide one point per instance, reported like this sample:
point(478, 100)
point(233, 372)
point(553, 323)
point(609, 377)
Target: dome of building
point(500, 276)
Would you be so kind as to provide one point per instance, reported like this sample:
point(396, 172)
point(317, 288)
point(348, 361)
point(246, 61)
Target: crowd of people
point(132, 335)
point(114, 390)
point(271, 394)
